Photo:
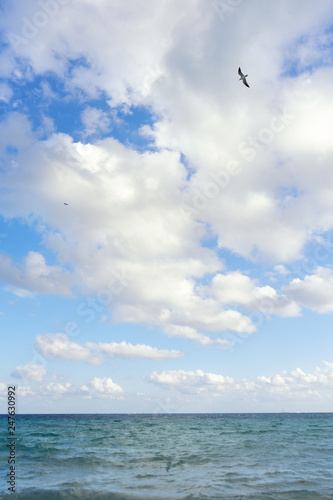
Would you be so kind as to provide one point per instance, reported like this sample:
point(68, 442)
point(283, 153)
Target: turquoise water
point(192, 457)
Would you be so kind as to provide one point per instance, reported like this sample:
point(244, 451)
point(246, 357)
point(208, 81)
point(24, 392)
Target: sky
point(166, 233)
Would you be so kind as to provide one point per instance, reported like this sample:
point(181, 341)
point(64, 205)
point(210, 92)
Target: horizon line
point(180, 413)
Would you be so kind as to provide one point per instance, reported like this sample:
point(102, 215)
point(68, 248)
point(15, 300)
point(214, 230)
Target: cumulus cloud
point(192, 334)
point(107, 388)
point(315, 291)
point(95, 120)
point(59, 345)
point(57, 389)
point(294, 384)
point(280, 269)
point(130, 351)
point(34, 276)
point(299, 384)
point(192, 381)
point(30, 371)
point(20, 391)
point(25, 391)
point(236, 288)
point(15, 130)
point(260, 166)
point(126, 218)
point(96, 388)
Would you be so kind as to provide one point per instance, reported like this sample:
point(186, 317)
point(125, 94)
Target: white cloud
point(134, 220)
point(98, 387)
point(117, 55)
point(315, 291)
point(250, 215)
point(47, 91)
point(6, 92)
point(299, 384)
point(25, 391)
point(59, 345)
point(295, 384)
point(233, 288)
point(57, 389)
point(15, 131)
point(30, 371)
point(95, 120)
point(192, 334)
point(126, 218)
point(130, 351)
point(198, 381)
point(237, 289)
point(187, 333)
point(34, 276)
point(280, 269)
point(106, 387)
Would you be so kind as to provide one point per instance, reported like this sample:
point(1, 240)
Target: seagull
point(65, 203)
point(243, 78)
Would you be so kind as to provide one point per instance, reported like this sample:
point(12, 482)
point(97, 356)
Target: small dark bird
point(65, 203)
point(243, 77)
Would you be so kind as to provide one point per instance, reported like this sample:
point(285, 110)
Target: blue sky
point(191, 270)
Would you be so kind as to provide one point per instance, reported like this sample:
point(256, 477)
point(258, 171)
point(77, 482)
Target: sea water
point(171, 456)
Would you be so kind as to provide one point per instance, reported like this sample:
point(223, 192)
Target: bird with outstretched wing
point(243, 78)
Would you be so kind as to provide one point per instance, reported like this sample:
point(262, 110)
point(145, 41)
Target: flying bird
point(65, 203)
point(243, 77)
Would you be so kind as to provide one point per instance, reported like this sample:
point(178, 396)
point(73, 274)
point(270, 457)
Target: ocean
point(170, 456)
